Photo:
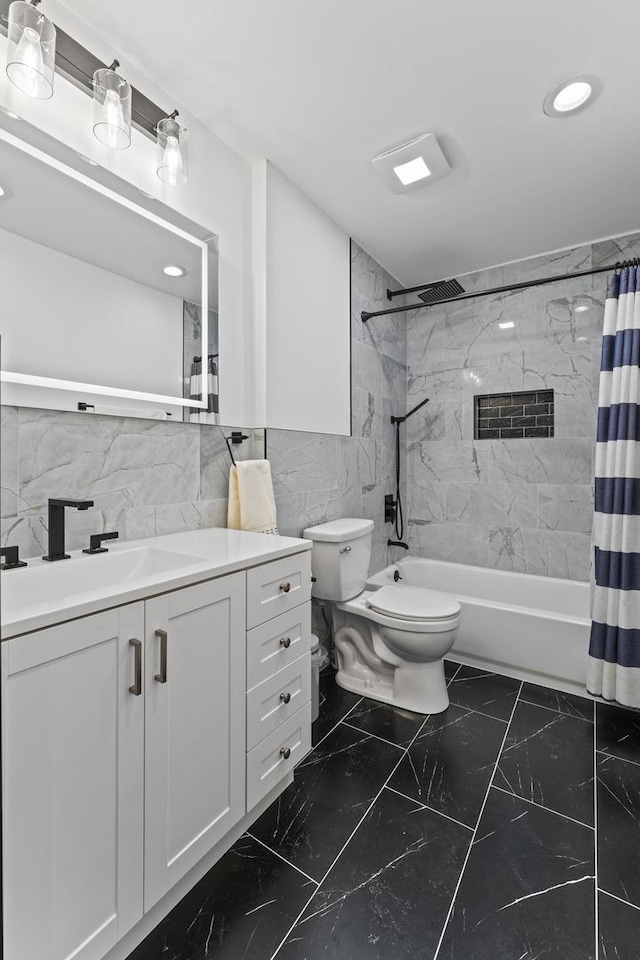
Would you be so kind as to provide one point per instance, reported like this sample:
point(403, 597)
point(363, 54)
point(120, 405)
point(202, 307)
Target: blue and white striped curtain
point(614, 651)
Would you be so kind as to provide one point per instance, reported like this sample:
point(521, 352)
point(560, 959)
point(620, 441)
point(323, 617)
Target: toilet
point(390, 641)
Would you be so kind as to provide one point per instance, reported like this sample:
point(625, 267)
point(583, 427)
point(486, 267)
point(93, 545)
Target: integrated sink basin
point(58, 583)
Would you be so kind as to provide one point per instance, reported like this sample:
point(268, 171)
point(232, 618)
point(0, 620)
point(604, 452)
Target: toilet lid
point(413, 603)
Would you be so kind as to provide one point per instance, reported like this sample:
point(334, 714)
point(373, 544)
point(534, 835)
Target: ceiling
point(322, 88)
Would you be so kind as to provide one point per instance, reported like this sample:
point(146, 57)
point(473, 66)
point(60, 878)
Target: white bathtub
point(533, 628)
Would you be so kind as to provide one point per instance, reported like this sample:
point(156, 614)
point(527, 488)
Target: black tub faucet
point(56, 526)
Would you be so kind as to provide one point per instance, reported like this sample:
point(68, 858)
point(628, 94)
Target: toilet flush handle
point(346, 550)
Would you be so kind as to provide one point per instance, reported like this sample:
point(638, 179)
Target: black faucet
point(56, 526)
point(11, 559)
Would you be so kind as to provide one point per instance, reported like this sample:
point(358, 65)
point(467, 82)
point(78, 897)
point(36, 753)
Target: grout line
point(614, 756)
point(488, 716)
point(627, 903)
point(484, 803)
point(374, 736)
point(596, 907)
point(322, 739)
point(553, 710)
point(455, 674)
point(354, 831)
point(280, 857)
point(425, 806)
point(533, 803)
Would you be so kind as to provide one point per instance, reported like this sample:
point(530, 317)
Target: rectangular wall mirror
point(109, 302)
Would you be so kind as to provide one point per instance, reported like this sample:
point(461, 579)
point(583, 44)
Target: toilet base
point(419, 687)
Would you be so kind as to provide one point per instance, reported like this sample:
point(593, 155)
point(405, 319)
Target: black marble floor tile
point(618, 731)
point(527, 890)
point(548, 758)
point(243, 907)
point(450, 764)
point(487, 692)
point(311, 821)
point(619, 828)
point(335, 704)
point(388, 894)
point(382, 720)
point(619, 929)
point(450, 669)
point(568, 703)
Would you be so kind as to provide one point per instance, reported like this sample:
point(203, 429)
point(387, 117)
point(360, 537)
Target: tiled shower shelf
point(506, 416)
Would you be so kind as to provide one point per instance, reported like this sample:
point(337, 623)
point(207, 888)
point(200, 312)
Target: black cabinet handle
point(285, 697)
point(285, 753)
point(136, 686)
point(285, 587)
point(285, 642)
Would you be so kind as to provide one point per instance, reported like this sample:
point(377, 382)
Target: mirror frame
point(78, 386)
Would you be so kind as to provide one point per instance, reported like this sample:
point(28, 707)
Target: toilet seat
point(413, 604)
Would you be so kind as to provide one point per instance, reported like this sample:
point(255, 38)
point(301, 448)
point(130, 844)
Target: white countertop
point(211, 552)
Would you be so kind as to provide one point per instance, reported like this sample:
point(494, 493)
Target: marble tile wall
point(319, 477)
point(521, 504)
point(146, 477)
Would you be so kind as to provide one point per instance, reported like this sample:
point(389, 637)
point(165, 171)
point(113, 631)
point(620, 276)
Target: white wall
point(218, 196)
point(305, 285)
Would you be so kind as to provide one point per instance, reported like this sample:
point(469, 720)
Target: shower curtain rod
point(366, 315)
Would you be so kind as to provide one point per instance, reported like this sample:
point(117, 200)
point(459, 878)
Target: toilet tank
point(340, 557)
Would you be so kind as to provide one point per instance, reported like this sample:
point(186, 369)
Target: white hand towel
point(252, 505)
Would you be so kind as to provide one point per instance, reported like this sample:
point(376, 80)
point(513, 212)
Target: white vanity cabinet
point(138, 742)
point(73, 742)
point(194, 726)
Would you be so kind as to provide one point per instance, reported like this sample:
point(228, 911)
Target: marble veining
point(437, 857)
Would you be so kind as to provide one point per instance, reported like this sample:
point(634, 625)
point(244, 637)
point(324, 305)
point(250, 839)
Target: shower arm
point(410, 413)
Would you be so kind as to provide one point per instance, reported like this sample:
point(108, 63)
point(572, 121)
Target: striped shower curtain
point(210, 384)
point(614, 651)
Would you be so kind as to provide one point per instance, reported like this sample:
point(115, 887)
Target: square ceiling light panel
point(412, 165)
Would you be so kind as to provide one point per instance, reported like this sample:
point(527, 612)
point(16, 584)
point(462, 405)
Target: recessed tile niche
point(512, 416)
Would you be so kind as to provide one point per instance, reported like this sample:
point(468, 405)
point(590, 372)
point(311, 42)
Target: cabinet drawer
point(277, 643)
point(276, 587)
point(266, 763)
point(277, 699)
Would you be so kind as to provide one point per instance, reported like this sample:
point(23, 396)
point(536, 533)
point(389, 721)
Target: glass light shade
point(172, 153)
point(31, 52)
point(111, 109)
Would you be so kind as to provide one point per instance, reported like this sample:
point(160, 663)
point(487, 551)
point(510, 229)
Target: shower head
point(442, 290)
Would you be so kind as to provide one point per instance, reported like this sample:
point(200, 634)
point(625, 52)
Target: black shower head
point(443, 290)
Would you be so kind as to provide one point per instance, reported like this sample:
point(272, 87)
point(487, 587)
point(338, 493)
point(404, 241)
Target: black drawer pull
point(285, 697)
point(285, 753)
point(285, 587)
point(285, 642)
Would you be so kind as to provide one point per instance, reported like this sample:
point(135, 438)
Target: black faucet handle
point(11, 558)
point(95, 541)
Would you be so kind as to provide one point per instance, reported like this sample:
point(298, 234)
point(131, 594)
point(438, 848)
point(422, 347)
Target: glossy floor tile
point(333, 787)
point(619, 828)
point(450, 764)
point(242, 908)
point(528, 888)
point(368, 856)
point(389, 897)
point(548, 758)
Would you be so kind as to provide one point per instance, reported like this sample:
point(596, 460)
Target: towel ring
point(236, 437)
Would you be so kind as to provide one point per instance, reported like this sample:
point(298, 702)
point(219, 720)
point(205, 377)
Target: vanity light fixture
point(111, 108)
point(571, 96)
point(31, 51)
point(507, 325)
point(172, 151)
point(174, 270)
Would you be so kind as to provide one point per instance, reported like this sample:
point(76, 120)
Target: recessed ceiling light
point(507, 325)
point(572, 95)
point(173, 270)
point(412, 171)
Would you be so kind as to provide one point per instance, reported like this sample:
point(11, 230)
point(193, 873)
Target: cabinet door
point(73, 740)
point(195, 726)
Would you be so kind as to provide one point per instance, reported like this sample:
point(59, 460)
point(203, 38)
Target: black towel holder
point(236, 437)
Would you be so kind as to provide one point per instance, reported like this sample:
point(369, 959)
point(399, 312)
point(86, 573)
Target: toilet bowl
point(390, 642)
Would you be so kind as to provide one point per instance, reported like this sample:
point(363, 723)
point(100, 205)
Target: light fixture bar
point(78, 64)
